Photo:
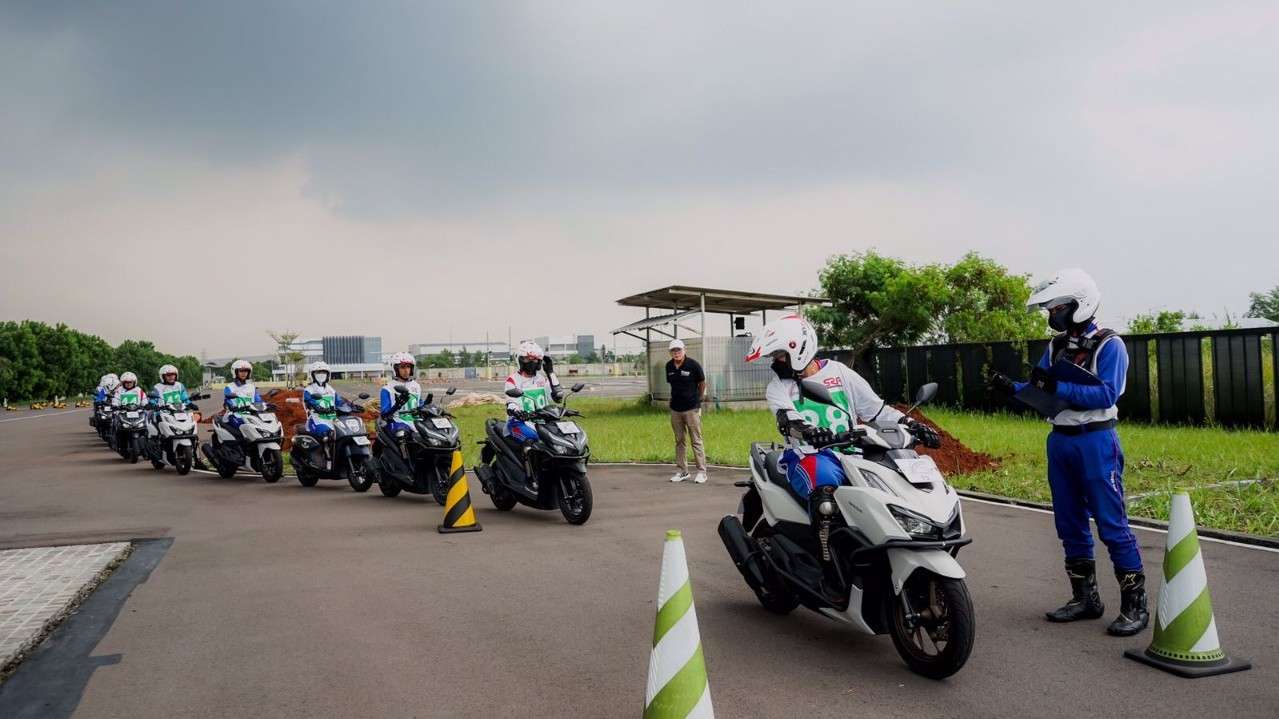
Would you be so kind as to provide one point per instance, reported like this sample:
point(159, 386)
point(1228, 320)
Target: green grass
point(1159, 460)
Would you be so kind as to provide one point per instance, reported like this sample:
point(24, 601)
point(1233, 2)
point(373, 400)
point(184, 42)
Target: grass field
point(1159, 459)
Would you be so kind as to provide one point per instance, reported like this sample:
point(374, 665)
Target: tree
point(1150, 323)
point(877, 301)
point(987, 304)
point(1264, 305)
point(290, 358)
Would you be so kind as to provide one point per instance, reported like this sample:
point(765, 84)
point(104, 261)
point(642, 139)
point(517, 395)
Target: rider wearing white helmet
point(171, 391)
point(818, 399)
point(106, 387)
point(128, 394)
point(1085, 461)
point(401, 394)
point(538, 389)
point(320, 398)
point(239, 392)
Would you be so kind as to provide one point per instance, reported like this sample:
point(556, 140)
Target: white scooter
point(253, 445)
point(877, 553)
point(171, 434)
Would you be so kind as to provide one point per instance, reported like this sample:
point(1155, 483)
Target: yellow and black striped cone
point(1185, 641)
point(677, 685)
point(459, 515)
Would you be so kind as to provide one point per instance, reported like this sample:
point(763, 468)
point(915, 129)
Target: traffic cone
point(459, 515)
point(1185, 639)
point(677, 686)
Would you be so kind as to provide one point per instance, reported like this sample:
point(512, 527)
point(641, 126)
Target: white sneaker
point(700, 478)
point(679, 477)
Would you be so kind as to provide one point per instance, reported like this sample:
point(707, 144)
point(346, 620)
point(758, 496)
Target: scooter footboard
point(904, 562)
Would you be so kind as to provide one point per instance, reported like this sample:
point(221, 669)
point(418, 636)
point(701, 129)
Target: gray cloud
point(1134, 139)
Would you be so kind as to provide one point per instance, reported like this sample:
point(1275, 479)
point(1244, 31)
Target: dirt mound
point(477, 398)
point(953, 457)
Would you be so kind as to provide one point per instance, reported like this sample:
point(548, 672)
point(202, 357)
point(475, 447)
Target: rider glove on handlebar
point(925, 434)
point(818, 436)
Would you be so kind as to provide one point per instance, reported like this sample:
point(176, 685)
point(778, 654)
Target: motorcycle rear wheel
point(939, 643)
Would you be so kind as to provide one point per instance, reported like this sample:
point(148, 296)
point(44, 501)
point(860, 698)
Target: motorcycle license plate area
point(920, 470)
point(567, 427)
point(361, 440)
point(441, 423)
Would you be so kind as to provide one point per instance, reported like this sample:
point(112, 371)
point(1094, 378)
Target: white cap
point(677, 344)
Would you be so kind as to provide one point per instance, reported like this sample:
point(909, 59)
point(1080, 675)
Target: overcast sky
point(199, 174)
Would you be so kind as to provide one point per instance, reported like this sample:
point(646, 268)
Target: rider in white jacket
point(539, 390)
point(791, 342)
point(128, 394)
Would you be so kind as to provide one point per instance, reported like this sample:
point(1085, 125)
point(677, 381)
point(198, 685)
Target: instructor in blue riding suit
point(1085, 461)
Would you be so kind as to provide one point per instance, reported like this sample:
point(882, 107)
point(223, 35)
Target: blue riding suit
point(1086, 468)
point(319, 400)
point(402, 418)
point(100, 397)
point(238, 394)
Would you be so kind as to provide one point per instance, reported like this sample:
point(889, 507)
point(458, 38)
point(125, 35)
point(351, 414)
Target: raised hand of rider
point(925, 434)
point(548, 364)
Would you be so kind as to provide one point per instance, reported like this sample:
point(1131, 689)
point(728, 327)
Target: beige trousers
point(690, 422)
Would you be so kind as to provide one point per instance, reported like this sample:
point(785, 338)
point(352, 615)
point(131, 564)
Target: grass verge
point(1206, 461)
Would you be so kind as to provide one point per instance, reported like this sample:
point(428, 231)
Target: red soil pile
point(953, 457)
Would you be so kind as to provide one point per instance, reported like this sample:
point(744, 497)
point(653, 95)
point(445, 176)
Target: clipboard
point(1047, 405)
point(1064, 371)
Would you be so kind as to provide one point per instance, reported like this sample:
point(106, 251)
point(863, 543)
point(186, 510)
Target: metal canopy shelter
point(683, 301)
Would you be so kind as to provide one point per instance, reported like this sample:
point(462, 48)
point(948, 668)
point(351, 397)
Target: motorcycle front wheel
point(936, 642)
point(182, 458)
point(272, 466)
point(357, 475)
point(575, 498)
point(440, 484)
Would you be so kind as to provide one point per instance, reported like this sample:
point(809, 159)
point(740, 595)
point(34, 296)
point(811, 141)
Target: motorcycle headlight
point(915, 525)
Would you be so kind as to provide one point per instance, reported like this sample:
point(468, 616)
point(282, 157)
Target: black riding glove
point(818, 436)
point(548, 364)
point(520, 415)
point(925, 434)
point(1001, 383)
point(1040, 378)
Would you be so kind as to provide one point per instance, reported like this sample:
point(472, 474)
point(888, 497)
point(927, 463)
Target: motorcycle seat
point(770, 462)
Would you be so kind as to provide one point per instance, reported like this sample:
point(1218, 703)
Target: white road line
point(43, 414)
point(1157, 530)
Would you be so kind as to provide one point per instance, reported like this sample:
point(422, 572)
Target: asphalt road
point(275, 600)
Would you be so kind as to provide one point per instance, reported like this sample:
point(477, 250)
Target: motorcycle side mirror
point(273, 393)
point(515, 392)
point(579, 387)
point(363, 395)
point(153, 395)
point(429, 396)
point(450, 391)
point(926, 393)
point(401, 390)
point(270, 406)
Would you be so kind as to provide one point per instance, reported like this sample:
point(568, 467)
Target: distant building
point(567, 345)
point(346, 355)
point(498, 351)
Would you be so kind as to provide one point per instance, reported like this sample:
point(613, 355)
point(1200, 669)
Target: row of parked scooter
point(548, 473)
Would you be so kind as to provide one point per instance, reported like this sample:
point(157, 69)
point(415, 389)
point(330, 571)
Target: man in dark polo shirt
point(688, 386)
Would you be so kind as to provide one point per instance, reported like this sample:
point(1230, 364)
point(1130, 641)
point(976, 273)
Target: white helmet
point(102, 381)
point(168, 369)
point(791, 334)
point(529, 357)
point(1070, 287)
point(128, 377)
point(238, 365)
point(317, 368)
point(400, 358)
point(110, 380)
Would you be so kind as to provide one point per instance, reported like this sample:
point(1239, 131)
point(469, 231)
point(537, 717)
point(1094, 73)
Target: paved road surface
point(292, 602)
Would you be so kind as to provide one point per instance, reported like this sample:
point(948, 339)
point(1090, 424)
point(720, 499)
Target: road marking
point(45, 414)
point(1157, 530)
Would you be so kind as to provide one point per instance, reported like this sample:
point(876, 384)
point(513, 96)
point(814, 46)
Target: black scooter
point(416, 460)
point(546, 473)
point(129, 432)
point(339, 454)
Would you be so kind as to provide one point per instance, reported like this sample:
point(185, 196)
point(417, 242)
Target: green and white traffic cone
point(677, 686)
point(1185, 641)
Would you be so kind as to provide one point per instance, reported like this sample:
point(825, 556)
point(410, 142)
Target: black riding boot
point(1086, 600)
point(1133, 616)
